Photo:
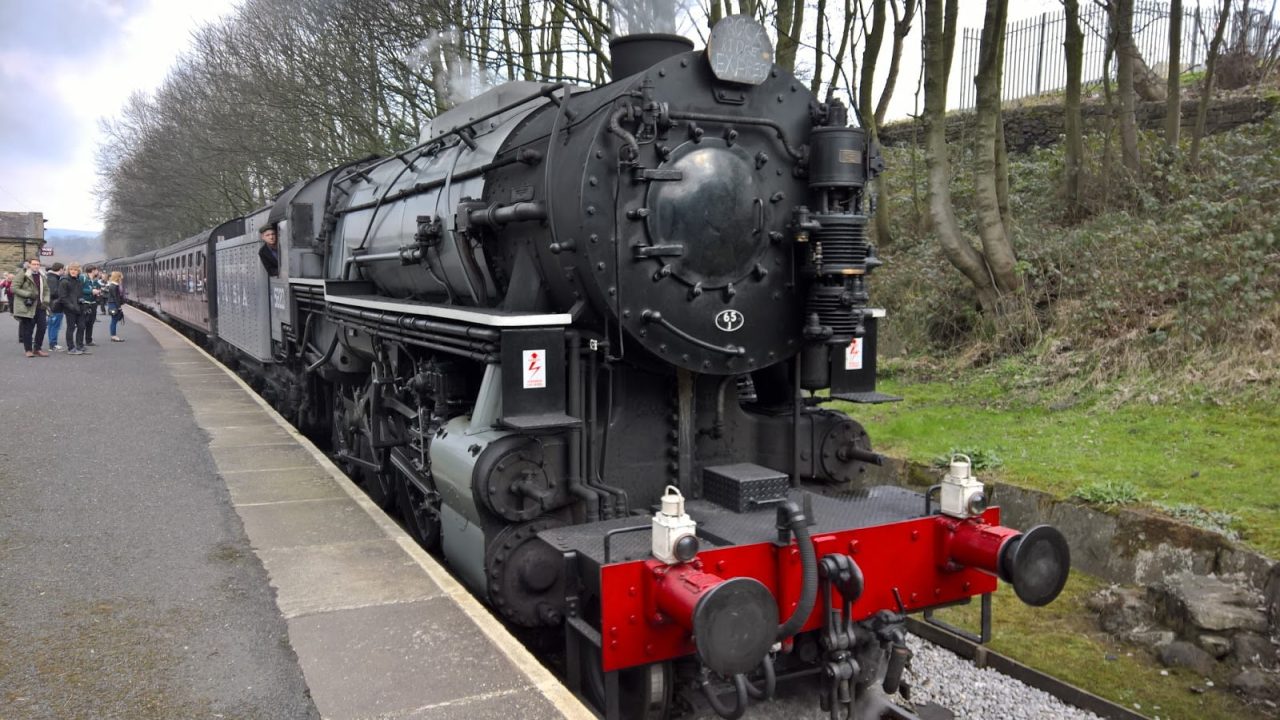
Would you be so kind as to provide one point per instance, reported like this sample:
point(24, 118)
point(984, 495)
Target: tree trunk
point(1109, 99)
point(1002, 151)
point(874, 36)
point(785, 51)
point(1073, 47)
point(507, 50)
point(797, 27)
point(991, 229)
point(939, 40)
point(1126, 50)
point(901, 29)
point(1206, 93)
point(544, 43)
point(845, 31)
point(1002, 172)
point(866, 82)
point(526, 40)
point(1173, 99)
point(557, 35)
point(819, 49)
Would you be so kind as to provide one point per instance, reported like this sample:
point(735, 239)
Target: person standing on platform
point(54, 275)
point(89, 302)
point(269, 253)
point(6, 289)
point(115, 302)
point(73, 288)
point(31, 302)
point(21, 271)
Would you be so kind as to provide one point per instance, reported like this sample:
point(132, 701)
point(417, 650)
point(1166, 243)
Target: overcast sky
point(67, 64)
point(64, 65)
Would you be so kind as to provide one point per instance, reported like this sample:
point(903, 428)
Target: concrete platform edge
point(541, 678)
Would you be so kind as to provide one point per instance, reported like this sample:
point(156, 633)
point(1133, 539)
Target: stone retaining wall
point(1123, 545)
point(1040, 126)
point(1200, 601)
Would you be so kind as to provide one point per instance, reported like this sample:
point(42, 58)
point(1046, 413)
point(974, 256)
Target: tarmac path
point(128, 588)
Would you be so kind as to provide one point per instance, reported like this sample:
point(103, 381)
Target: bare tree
point(939, 45)
point(988, 176)
point(1206, 90)
point(1073, 47)
point(789, 22)
point(1126, 60)
point(819, 46)
point(846, 33)
point(902, 20)
point(285, 88)
point(1173, 101)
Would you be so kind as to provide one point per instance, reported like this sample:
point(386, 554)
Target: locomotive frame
point(577, 338)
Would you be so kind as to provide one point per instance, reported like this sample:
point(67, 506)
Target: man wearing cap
point(269, 253)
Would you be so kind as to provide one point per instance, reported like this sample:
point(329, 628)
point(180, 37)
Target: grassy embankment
point(1142, 361)
point(1143, 366)
point(1212, 465)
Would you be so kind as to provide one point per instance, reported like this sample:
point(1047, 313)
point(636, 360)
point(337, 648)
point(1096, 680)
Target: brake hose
point(799, 524)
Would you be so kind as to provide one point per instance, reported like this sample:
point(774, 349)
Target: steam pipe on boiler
point(589, 497)
point(595, 478)
point(498, 215)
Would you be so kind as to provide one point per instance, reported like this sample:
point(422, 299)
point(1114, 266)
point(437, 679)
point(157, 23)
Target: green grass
point(1184, 454)
point(1062, 640)
point(1108, 492)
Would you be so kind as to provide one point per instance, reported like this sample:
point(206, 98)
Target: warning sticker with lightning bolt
point(853, 355)
point(535, 369)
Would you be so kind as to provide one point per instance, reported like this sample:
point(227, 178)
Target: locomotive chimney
point(630, 54)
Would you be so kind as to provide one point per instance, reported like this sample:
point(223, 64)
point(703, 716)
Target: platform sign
point(46, 251)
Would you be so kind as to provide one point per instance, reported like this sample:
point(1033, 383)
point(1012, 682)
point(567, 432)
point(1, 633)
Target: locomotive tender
point(577, 337)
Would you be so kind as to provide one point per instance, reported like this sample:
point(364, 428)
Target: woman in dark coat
point(70, 290)
point(115, 302)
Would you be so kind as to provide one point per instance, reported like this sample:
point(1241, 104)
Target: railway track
point(955, 678)
point(981, 657)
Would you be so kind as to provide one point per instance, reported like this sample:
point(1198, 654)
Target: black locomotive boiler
point(579, 339)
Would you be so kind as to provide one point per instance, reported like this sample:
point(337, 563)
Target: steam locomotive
point(580, 340)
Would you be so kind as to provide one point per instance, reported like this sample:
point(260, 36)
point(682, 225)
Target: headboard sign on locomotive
point(580, 337)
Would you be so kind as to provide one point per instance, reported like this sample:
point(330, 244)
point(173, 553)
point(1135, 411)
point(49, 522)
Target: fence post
point(1195, 40)
point(1040, 59)
point(966, 84)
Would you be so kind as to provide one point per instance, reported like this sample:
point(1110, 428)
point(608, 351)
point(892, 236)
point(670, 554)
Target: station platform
point(171, 547)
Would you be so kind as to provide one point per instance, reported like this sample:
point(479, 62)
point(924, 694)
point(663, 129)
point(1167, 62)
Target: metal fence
point(1034, 62)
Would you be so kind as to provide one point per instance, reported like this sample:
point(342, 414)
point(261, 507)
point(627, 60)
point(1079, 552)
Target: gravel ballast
point(957, 684)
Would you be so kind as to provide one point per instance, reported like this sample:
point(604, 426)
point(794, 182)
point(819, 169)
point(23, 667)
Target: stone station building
point(21, 237)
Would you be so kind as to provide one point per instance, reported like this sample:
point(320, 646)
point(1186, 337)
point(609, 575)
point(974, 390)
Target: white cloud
point(143, 44)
